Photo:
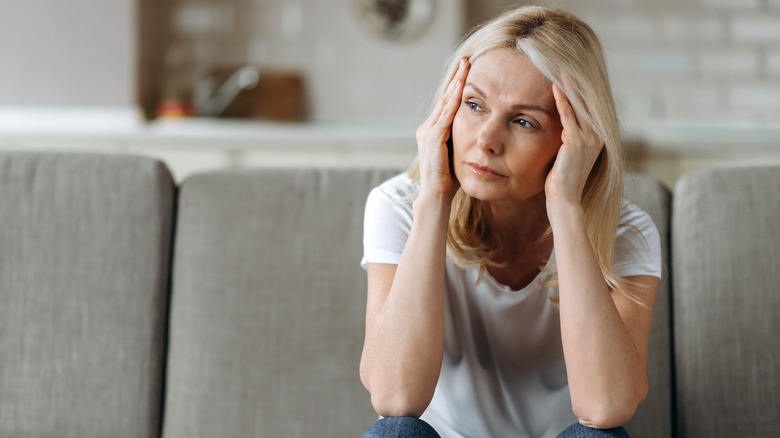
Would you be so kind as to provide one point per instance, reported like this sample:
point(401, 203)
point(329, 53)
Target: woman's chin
point(491, 192)
point(481, 192)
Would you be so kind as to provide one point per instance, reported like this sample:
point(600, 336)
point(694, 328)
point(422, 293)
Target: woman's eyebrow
point(477, 89)
point(518, 106)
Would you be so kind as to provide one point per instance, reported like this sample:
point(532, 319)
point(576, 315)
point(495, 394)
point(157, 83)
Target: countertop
point(18, 125)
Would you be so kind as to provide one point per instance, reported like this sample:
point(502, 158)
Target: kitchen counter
point(112, 124)
point(208, 142)
point(193, 144)
point(126, 124)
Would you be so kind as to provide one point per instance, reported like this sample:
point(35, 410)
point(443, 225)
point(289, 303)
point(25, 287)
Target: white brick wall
point(698, 101)
point(755, 28)
point(693, 28)
point(728, 63)
point(690, 60)
point(633, 28)
point(773, 64)
point(737, 5)
point(755, 97)
point(676, 60)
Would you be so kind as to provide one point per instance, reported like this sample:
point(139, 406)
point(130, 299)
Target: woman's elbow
point(395, 400)
point(397, 395)
point(610, 413)
point(399, 404)
point(606, 418)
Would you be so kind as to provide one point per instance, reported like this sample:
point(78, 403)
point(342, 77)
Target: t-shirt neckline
point(532, 286)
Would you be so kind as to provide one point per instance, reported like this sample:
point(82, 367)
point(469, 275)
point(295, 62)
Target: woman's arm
point(405, 321)
point(404, 341)
point(604, 334)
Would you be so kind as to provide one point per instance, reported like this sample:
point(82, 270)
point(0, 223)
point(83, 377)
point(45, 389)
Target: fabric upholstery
point(268, 305)
point(268, 301)
point(726, 261)
point(654, 417)
point(84, 256)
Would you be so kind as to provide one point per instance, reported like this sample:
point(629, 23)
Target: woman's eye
point(524, 123)
point(473, 106)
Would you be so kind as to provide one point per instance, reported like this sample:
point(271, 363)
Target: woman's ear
point(450, 152)
point(552, 161)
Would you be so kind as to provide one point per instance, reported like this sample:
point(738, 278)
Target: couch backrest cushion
point(85, 241)
point(726, 264)
point(654, 417)
point(268, 305)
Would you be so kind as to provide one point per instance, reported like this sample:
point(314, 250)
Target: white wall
point(353, 75)
point(349, 75)
point(694, 61)
point(67, 53)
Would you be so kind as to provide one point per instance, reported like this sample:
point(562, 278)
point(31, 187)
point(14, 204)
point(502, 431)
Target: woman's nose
point(490, 138)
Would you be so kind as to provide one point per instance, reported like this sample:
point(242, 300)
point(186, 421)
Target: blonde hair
point(568, 53)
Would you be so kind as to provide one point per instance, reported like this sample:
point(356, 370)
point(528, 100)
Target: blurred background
point(211, 83)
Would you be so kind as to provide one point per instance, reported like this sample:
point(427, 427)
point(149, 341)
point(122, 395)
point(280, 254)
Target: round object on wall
point(395, 20)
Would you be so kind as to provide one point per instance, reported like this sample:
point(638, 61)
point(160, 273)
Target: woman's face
point(507, 131)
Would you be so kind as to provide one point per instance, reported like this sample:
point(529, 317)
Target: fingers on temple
point(570, 120)
point(440, 119)
point(450, 100)
point(565, 110)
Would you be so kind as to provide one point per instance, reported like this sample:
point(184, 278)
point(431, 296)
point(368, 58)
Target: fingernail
point(462, 63)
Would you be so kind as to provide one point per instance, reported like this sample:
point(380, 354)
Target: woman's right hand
point(404, 344)
point(432, 136)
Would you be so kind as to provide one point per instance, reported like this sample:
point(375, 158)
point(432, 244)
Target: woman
point(510, 285)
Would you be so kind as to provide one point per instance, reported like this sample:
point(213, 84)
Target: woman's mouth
point(484, 171)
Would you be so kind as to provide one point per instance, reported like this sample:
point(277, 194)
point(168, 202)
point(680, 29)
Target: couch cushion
point(268, 305)
point(84, 254)
point(726, 254)
point(654, 416)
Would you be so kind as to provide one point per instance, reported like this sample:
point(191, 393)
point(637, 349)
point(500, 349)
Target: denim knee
point(400, 427)
point(579, 431)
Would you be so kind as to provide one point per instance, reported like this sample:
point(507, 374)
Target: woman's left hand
point(579, 151)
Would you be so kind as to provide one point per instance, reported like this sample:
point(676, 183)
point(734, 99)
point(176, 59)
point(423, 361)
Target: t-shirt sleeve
point(386, 224)
point(638, 244)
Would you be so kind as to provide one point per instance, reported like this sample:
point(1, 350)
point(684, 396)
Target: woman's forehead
point(510, 74)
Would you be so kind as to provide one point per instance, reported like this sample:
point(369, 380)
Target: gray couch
point(232, 305)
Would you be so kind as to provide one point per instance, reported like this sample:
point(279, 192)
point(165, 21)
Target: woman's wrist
point(562, 211)
point(432, 205)
point(433, 199)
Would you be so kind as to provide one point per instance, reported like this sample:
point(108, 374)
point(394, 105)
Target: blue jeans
point(411, 427)
point(400, 427)
point(579, 431)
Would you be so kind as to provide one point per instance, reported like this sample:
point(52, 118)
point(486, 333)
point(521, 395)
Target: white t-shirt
point(503, 372)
